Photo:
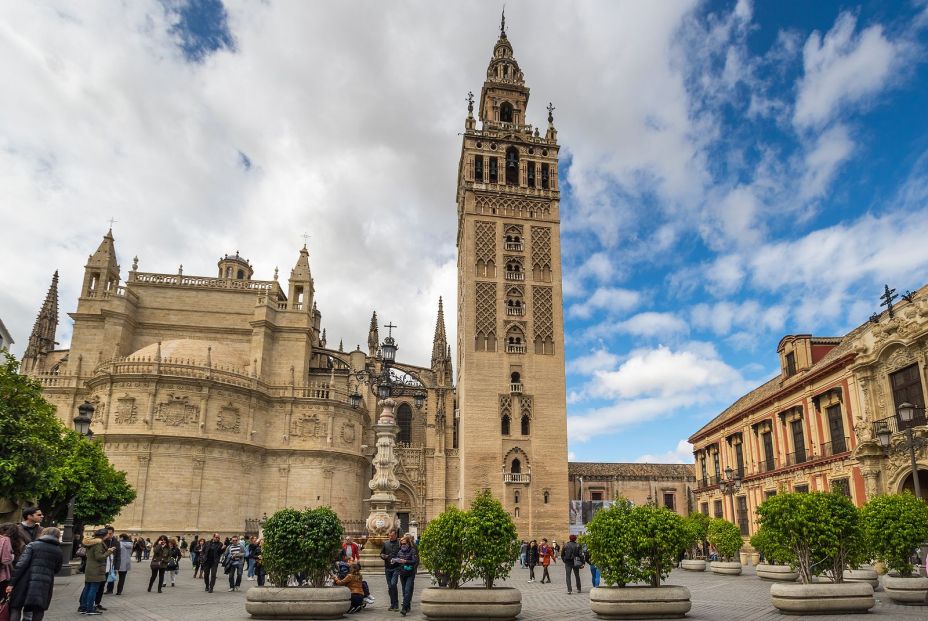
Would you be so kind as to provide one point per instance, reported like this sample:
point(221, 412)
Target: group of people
point(573, 555)
point(30, 556)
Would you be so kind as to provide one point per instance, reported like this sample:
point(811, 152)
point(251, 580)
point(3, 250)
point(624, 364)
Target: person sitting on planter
point(406, 560)
point(573, 561)
point(355, 584)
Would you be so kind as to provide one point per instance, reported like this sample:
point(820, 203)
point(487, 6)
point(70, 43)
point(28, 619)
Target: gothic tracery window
point(504, 426)
point(404, 422)
point(525, 425)
point(505, 112)
point(512, 166)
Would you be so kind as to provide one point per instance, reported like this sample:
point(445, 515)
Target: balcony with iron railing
point(516, 477)
point(798, 457)
point(515, 275)
point(835, 447)
point(514, 246)
point(706, 482)
point(895, 424)
point(766, 466)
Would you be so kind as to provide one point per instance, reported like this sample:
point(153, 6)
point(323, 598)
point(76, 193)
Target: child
point(354, 582)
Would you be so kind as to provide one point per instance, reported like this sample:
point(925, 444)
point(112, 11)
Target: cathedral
point(201, 382)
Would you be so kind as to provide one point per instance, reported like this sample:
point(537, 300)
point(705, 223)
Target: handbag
point(578, 560)
point(111, 576)
point(5, 608)
point(155, 564)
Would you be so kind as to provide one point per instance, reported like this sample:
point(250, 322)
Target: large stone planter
point(664, 602)
point(811, 599)
point(471, 603)
point(777, 573)
point(725, 568)
point(912, 591)
point(862, 575)
point(693, 565)
point(297, 602)
point(755, 558)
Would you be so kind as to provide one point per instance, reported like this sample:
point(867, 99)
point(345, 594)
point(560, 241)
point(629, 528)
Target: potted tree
point(300, 542)
point(697, 527)
point(481, 545)
point(822, 533)
point(632, 545)
point(775, 566)
point(726, 537)
point(894, 526)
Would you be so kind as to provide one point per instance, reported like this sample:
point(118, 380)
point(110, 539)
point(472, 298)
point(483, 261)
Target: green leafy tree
point(491, 541)
point(773, 552)
point(610, 539)
point(894, 526)
point(84, 472)
point(31, 436)
point(726, 537)
point(821, 531)
point(660, 537)
point(441, 548)
point(304, 542)
point(697, 528)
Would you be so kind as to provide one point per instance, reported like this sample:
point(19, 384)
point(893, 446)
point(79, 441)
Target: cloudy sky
point(731, 173)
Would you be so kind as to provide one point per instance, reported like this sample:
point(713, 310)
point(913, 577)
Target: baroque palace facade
point(816, 426)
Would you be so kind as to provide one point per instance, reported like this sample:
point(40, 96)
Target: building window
point(718, 467)
point(739, 460)
point(404, 422)
point(743, 515)
point(717, 508)
point(516, 512)
point(478, 169)
point(836, 429)
point(841, 486)
point(907, 388)
point(705, 470)
point(505, 110)
point(799, 441)
point(454, 433)
point(670, 501)
point(516, 495)
point(547, 497)
point(596, 496)
point(545, 173)
point(531, 174)
point(704, 508)
point(769, 463)
point(802, 489)
point(504, 426)
point(494, 170)
point(790, 364)
point(512, 166)
point(516, 467)
point(770, 493)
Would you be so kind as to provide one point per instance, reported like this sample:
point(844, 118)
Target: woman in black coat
point(34, 576)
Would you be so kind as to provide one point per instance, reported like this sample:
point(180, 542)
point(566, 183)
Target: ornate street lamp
point(729, 486)
point(383, 384)
point(884, 435)
point(82, 425)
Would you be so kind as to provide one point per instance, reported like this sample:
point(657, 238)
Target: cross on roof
point(888, 296)
point(112, 222)
point(389, 328)
point(305, 239)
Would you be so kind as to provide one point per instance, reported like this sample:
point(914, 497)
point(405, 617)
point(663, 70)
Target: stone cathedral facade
point(212, 386)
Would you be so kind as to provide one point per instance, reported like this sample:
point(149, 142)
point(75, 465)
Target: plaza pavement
point(740, 598)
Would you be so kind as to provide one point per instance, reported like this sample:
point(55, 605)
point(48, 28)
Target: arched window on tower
point(525, 425)
point(516, 467)
point(516, 496)
point(404, 422)
point(504, 425)
point(547, 497)
point(512, 166)
point(505, 112)
point(240, 275)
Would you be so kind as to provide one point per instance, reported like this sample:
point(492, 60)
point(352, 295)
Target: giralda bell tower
point(512, 425)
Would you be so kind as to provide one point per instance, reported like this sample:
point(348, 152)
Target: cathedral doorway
point(403, 517)
point(908, 484)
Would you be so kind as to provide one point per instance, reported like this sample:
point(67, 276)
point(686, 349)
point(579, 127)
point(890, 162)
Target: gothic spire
point(440, 342)
point(42, 339)
point(502, 24)
point(373, 336)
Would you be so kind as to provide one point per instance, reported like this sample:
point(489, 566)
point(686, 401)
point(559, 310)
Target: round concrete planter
point(664, 602)
point(497, 603)
point(809, 599)
point(725, 568)
point(693, 565)
point(862, 575)
point(777, 573)
point(912, 591)
point(297, 602)
point(755, 558)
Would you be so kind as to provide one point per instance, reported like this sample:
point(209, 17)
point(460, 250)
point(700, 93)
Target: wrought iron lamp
point(884, 434)
point(384, 384)
point(729, 486)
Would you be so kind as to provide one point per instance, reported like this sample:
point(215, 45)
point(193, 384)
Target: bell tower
point(510, 373)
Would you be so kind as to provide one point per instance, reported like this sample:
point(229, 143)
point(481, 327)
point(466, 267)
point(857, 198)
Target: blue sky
point(732, 171)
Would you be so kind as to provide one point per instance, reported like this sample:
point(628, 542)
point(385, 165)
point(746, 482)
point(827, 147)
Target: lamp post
point(729, 486)
point(383, 384)
point(82, 426)
point(906, 413)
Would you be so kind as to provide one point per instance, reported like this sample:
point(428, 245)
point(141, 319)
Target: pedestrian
point(250, 556)
point(160, 555)
point(147, 552)
point(531, 559)
point(556, 551)
point(388, 552)
point(544, 552)
point(113, 562)
point(31, 583)
point(196, 556)
point(31, 526)
point(523, 550)
point(573, 561)
point(594, 570)
point(94, 571)
point(257, 550)
point(352, 550)
point(175, 554)
point(138, 546)
point(11, 547)
point(354, 582)
point(233, 559)
point(407, 560)
point(209, 562)
point(183, 546)
point(125, 561)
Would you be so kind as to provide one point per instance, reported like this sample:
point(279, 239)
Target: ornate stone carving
point(485, 240)
point(306, 425)
point(127, 412)
point(177, 411)
point(229, 418)
point(541, 247)
point(486, 308)
point(543, 311)
point(348, 433)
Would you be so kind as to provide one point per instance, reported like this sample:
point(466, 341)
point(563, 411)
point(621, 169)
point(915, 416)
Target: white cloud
point(842, 68)
point(726, 274)
point(831, 149)
point(723, 317)
point(682, 454)
point(598, 360)
point(610, 299)
point(653, 324)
